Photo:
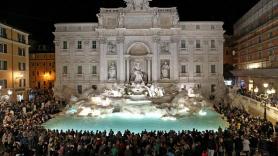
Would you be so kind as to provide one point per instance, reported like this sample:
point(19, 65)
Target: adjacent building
point(256, 46)
point(229, 56)
point(139, 43)
point(42, 70)
point(14, 61)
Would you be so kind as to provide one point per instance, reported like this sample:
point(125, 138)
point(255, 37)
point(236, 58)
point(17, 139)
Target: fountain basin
point(137, 123)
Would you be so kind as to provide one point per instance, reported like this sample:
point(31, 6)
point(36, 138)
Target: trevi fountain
point(137, 68)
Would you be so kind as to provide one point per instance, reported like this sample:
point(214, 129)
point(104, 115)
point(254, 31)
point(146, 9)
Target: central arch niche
point(138, 63)
point(138, 49)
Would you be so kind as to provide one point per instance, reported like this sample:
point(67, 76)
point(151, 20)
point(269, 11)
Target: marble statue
point(121, 20)
point(112, 71)
point(137, 4)
point(175, 19)
point(165, 70)
point(137, 73)
point(100, 19)
point(155, 19)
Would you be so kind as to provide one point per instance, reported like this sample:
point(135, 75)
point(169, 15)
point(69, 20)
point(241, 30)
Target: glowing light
point(166, 118)
point(202, 113)
point(265, 85)
point(96, 100)
point(18, 75)
point(273, 91)
point(253, 66)
point(256, 90)
point(10, 92)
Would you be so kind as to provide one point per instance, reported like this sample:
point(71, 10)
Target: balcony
point(267, 72)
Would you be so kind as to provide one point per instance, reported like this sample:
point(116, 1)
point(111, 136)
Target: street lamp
point(265, 95)
point(10, 92)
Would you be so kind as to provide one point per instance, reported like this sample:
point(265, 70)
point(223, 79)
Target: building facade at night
point(139, 38)
point(256, 46)
point(14, 61)
point(42, 70)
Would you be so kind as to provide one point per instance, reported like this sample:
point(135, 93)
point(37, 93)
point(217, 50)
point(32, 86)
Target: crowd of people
point(22, 134)
point(272, 100)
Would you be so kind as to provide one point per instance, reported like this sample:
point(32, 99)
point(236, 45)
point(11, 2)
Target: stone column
point(174, 63)
point(121, 60)
point(102, 61)
point(127, 70)
point(155, 59)
point(149, 70)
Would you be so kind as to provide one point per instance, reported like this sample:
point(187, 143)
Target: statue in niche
point(100, 19)
point(111, 48)
point(165, 70)
point(137, 75)
point(175, 20)
point(112, 71)
point(155, 19)
point(121, 19)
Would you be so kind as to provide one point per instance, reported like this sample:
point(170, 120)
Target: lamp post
point(265, 96)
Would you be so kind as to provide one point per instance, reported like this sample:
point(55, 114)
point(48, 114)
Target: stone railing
point(272, 112)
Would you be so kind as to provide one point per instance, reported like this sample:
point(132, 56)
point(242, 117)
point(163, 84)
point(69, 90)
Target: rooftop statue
point(137, 5)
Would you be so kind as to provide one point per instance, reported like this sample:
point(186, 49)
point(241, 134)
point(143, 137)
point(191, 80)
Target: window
point(49, 72)
point(94, 69)
point(260, 55)
point(3, 48)
point(79, 70)
point(198, 69)
point(21, 38)
point(260, 39)
point(3, 83)
point(197, 27)
point(271, 52)
point(198, 44)
point(79, 89)
point(212, 27)
point(213, 68)
point(3, 65)
point(21, 66)
point(183, 69)
point(65, 45)
point(213, 88)
point(38, 73)
point(183, 44)
point(270, 35)
point(65, 69)
point(94, 44)
point(21, 51)
point(79, 44)
point(33, 73)
point(3, 32)
point(22, 82)
point(212, 44)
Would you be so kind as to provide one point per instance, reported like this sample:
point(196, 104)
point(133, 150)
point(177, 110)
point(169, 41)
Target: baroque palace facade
point(139, 43)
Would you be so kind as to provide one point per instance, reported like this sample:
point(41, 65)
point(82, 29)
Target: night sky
point(37, 17)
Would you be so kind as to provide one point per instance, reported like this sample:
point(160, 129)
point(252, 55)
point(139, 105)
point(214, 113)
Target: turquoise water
point(119, 122)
